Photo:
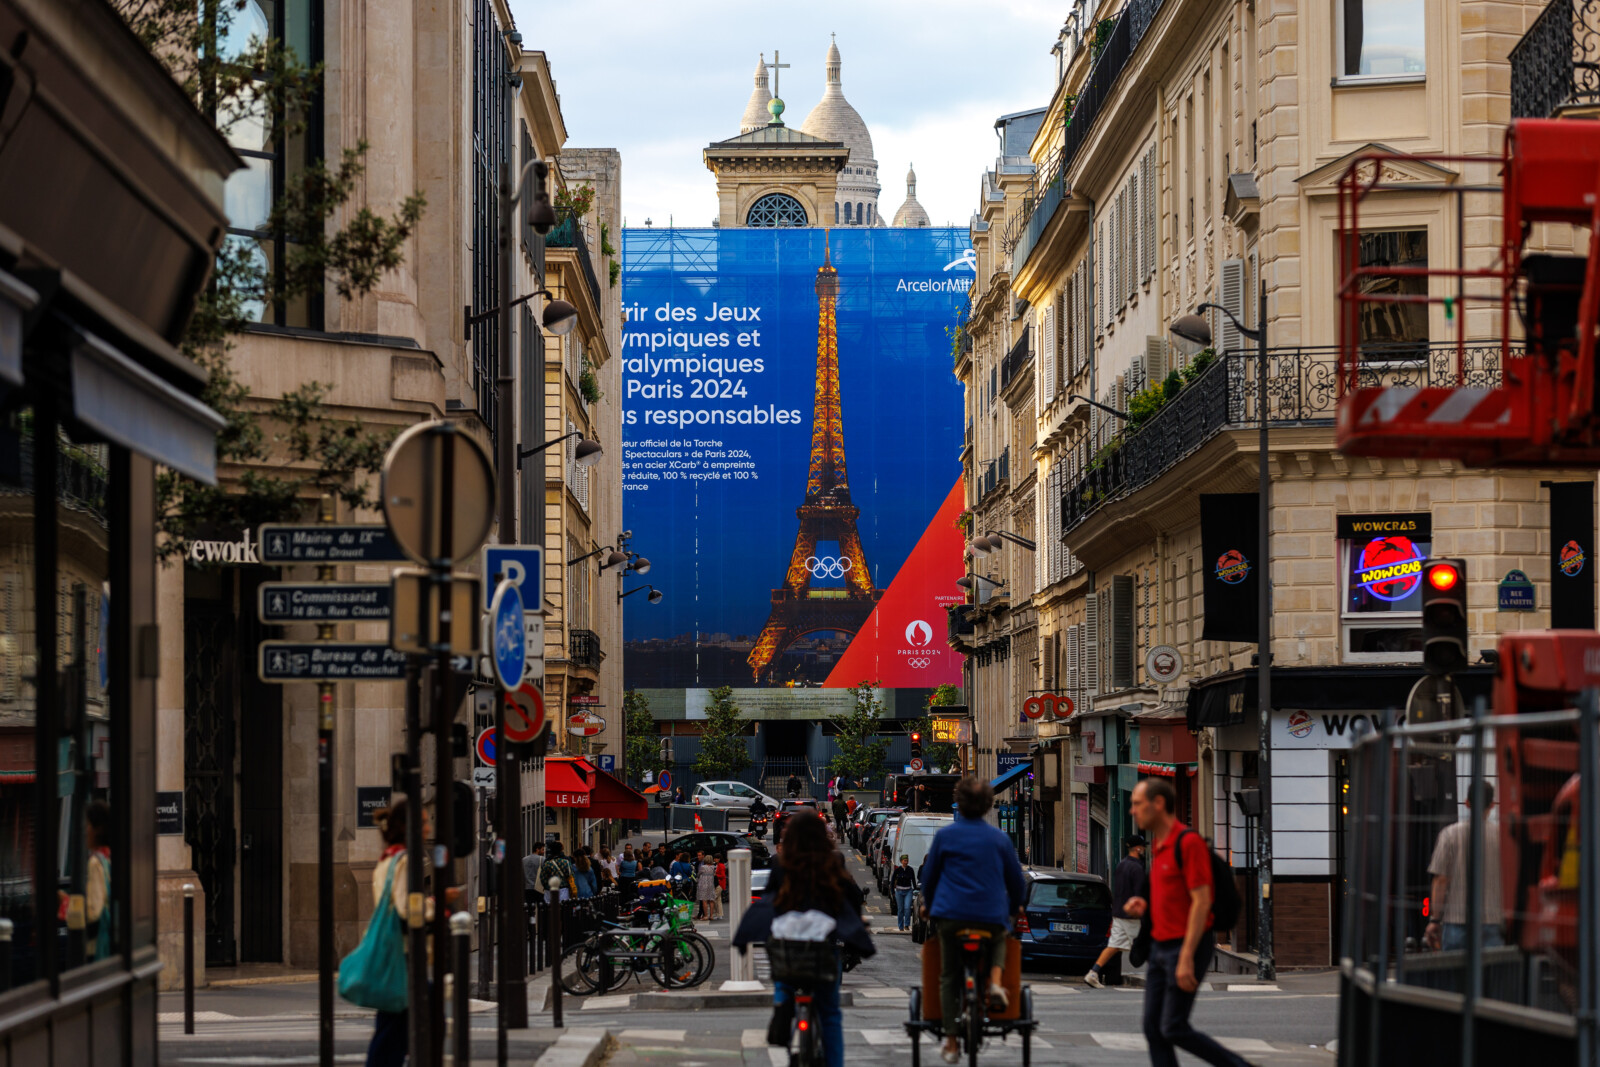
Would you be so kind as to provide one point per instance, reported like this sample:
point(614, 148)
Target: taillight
point(804, 1025)
point(1426, 906)
point(1022, 925)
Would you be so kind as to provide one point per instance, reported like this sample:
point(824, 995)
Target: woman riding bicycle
point(808, 875)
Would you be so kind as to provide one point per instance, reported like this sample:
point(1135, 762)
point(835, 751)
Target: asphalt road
point(1285, 1026)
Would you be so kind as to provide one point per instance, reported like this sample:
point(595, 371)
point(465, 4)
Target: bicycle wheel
point(682, 961)
point(580, 969)
point(708, 956)
point(974, 1021)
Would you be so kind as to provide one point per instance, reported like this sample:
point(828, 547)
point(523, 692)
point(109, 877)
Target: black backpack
point(1225, 902)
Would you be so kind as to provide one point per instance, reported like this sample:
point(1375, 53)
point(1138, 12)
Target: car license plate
point(1068, 928)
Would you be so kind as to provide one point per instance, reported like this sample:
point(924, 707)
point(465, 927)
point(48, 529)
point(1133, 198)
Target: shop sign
point(1163, 664)
point(1050, 705)
point(241, 551)
point(328, 661)
point(1004, 761)
point(326, 543)
point(952, 731)
point(584, 698)
point(169, 814)
point(1323, 729)
point(1516, 592)
point(279, 602)
point(585, 724)
point(369, 799)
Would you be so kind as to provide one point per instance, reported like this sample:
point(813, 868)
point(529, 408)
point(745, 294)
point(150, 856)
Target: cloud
point(660, 81)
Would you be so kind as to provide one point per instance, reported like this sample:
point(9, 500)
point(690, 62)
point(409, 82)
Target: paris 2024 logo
point(919, 636)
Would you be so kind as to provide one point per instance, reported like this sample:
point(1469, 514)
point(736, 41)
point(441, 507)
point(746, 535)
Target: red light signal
point(1443, 577)
point(915, 737)
point(1444, 616)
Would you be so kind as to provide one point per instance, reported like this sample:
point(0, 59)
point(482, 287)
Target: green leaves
point(722, 750)
point(642, 746)
point(861, 748)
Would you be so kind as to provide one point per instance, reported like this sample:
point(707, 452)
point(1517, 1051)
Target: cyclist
point(971, 881)
point(808, 874)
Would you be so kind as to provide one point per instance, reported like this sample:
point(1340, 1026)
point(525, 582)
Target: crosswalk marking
point(886, 1037)
point(1243, 1045)
point(1122, 1042)
point(752, 1039)
point(653, 1035)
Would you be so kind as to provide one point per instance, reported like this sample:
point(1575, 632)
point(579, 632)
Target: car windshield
point(1069, 895)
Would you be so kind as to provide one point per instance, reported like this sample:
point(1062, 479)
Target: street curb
point(576, 1048)
point(275, 979)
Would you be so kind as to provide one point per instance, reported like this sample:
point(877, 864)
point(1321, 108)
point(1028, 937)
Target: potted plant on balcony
point(589, 385)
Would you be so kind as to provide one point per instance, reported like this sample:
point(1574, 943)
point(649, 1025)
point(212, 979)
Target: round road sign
point(524, 713)
point(664, 780)
point(486, 747)
point(509, 651)
point(916, 763)
point(431, 469)
point(585, 725)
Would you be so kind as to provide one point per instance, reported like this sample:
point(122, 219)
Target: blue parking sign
point(607, 763)
point(522, 566)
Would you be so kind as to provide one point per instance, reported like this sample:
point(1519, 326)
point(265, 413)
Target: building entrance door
point(261, 786)
point(210, 673)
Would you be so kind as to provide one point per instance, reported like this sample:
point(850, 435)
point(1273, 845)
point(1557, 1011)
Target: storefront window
point(19, 819)
point(1381, 580)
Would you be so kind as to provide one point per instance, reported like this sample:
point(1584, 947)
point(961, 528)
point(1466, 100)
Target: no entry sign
point(524, 713)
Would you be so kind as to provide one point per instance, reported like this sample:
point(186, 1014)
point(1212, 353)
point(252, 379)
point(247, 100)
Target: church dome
point(911, 212)
point(833, 119)
point(755, 112)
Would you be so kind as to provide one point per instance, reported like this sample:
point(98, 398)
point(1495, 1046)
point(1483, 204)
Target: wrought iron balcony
point(996, 474)
point(1302, 390)
point(583, 649)
point(1018, 358)
point(1555, 64)
point(568, 233)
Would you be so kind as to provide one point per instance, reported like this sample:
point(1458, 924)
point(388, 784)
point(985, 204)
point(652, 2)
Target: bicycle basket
point(681, 910)
point(804, 963)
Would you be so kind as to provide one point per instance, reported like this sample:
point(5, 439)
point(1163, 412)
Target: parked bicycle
point(659, 939)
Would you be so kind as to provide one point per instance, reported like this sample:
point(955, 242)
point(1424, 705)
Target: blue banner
point(792, 430)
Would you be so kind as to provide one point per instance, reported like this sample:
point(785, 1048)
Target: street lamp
point(1195, 329)
point(995, 541)
point(637, 564)
point(586, 454)
point(970, 581)
point(654, 597)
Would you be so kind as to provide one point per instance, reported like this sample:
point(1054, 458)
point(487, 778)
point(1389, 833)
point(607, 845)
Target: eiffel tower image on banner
point(826, 515)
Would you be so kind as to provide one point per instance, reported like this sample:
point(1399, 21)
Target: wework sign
point(235, 552)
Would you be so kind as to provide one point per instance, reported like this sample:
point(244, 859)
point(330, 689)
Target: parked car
point(1066, 917)
point(880, 840)
point(728, 795)
point(717, 841)
point(758, 883)
point(867, 820)
point(912, 836)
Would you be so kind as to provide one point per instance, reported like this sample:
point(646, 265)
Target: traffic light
point(916, 744)
point(1444, 615)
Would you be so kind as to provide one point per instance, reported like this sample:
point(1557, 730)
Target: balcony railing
point(1018, 358)
point(997, 473)
point(583, 648)
point(1302, 390)
point(1557, 62)
point(568, 233)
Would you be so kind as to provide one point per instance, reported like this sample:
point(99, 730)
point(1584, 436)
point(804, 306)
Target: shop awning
point(1169, 770)
point(1230, 698)
point(1005, 781)
point(594, 794)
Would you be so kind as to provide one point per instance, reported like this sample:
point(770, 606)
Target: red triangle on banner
point(902, 644)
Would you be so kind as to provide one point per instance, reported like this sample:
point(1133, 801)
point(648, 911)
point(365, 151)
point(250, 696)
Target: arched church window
point(777, 209)
point(860, 217)
point(847, 211)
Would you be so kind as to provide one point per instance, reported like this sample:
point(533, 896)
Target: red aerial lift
point(1535, 405)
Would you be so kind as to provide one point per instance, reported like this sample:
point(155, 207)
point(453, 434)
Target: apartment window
point(275, 149)
point(491, 146)
point(1394, 330)
point(1380, 564)
point(1382, 38)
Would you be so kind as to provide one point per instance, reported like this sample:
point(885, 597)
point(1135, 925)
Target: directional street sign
point(414, 609)
point(508, 650)
point(328, 544)
point(322, 602)
point(327, 661)
point(485, 747)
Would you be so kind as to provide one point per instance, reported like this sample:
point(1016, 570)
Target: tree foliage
point(642, 745)
point(862, 749)
point(722, 749)
point(937, 755)
point(294, 447)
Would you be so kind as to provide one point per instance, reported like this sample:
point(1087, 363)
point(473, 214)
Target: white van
point(911, 836)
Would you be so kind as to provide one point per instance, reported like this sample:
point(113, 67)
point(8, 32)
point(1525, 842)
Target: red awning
point(578, 784)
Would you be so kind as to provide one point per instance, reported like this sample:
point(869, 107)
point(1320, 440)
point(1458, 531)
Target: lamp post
point(1195, 329)
point(654, 596)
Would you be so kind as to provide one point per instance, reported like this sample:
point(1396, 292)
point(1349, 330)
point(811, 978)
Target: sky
point(661, 79)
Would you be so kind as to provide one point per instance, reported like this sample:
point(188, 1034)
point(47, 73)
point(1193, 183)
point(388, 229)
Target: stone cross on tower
point(776, 67)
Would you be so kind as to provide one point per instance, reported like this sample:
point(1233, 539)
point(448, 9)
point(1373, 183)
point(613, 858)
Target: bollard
point(553, 909)
point(6, 929)
point(742, 973)
point(461, 1022)
point(188, 957)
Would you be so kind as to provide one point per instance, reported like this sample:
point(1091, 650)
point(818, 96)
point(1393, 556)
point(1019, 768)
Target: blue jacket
point(972, 874)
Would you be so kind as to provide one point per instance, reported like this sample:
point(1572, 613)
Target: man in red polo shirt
point(1180, 928)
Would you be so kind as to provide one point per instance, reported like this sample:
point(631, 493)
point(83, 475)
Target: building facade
point(1191, 153)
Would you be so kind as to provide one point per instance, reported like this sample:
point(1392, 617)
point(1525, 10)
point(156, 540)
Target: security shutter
point(1122, 638)
point(1090, 643)
point(1230, 340)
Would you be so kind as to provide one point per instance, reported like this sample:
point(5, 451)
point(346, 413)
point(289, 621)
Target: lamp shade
point(613, 558)
point(587, 453)
point(560, 317)
point(1192, 328)
point(640, 565)
point(542, 214)
point(654, 596)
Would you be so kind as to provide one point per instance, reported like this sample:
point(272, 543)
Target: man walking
point(1447, 926)
point(1180, 928)
point(531, 864)
point(841, 812)
point(1126, 881)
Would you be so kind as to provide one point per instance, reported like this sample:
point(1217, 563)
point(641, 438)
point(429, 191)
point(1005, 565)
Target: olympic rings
point(918, 663)
point(827, 566)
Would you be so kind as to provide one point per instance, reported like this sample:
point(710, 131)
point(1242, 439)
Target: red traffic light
point(915, 737)
point(1443, 577)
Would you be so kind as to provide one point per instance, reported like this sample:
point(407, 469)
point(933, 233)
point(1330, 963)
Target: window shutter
point(1043, 359)
point(1074, 673)
point(1150, 181)
point(1058, 352)
point(1155, 358)
point(1091, 645)
point(1048, 662)
point(1122, 640)
point(1229, 338)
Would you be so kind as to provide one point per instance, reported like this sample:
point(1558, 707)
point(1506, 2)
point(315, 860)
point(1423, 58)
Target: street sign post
point(412, 595)
point(281, 602)
point(328, 661)
point(282, 543)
